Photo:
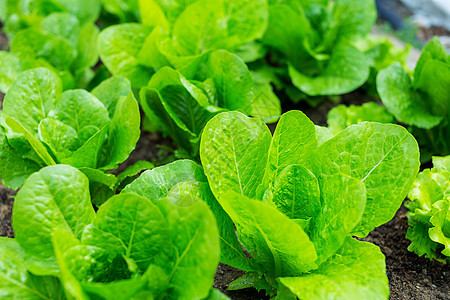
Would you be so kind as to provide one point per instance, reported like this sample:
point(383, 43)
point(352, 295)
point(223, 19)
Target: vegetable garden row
point(82, 79)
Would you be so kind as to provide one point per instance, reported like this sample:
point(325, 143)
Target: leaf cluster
point(422, 100)
point(56, 34)
point(296, 199)
point(133, 247)
point(43, 126)
point(429, 215)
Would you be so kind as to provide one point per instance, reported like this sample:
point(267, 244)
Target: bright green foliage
point(56, 34)
point(378, 155)
point(287, 192)
point(188, 58)
point(178, 33)
point(17, 282)
point(382, 53)
point(119, 48)
point(429, 216)
point(125, 10)
point(341, 116)
point(53, 189)
point(43, 126)
point(207, 25)
point(314, 41)
point(182, 107)
point(131, 248)
point(20, 14)
point(340, 277)
point(182, 181)
point(421, 101)
point(156, 183)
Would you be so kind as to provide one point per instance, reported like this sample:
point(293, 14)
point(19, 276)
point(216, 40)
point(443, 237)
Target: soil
point(6, 204)
point(410, 276)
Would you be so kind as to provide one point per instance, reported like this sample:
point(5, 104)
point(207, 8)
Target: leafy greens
point(421, 102)
point(429, 216)
point(189, 71)
point(133, 247)
point(56, 34)
point(285, 193)
point(341, 116)
point(42, 126)
point(313, 42)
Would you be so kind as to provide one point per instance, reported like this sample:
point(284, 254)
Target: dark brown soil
point(1, 100)
point(6, 204)
point(427, 33)
point(225, 275)
point(3, 40)
point(410, 276)
point(151, 147)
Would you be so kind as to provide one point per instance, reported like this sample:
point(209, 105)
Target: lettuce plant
point(182, 107)
point(341, 116)
point(296, 205)
point(429, 216)
point(56, 34)
point(199, 48)
point(124, 10)
point(382, 54)
point(43, 126)
point(313, 40)
point(177, 34)
point(131, 248)
point(421, 101)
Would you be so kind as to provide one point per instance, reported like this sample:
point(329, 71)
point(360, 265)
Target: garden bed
point(410, 276)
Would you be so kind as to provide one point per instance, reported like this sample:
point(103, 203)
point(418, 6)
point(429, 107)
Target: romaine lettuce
point(429, 216)
point(41, 125)
point(296, 205)
point(421, 102)
point(131, 248)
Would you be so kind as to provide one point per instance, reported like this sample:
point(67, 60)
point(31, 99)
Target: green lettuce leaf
point(17, 282)
point(442, 163)
point(11, 66)
point(195, 249)
point(14, 168)
point(342, 205)
point(356, 271)
point(44, 203)
point(428, 216)
point(124, 132)
point(234, 152)
point(269, 247)
point(231, 252)
point(208, 25)
point(296, 193)
point(341, 116)
point(293, 141)
point(33, 93)
point(131, 226)
point(31, 43)
point(155, 184)
point(109, 92)
point(347, 69)
point(119, 46)
point(440, 232)
point(394, 86)
point(378, 155)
